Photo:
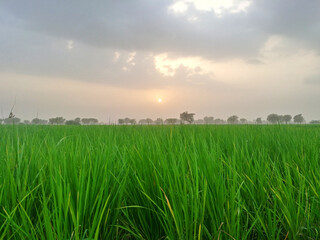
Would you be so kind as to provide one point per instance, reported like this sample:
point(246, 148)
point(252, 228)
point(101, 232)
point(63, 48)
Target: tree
point(243, 120)
point(121, 121)
point(233, 119)
point(13, 120)
point(72, 122)
point(219, 121)
point(26, 122)
point(89, 121)
point(187, 117)
point(171, 121)
point(287, 118)
point(158, 121)
point(38, 121)
point(78, 120)
point(273, 118)
point(1, 121)
point(298, 118)
point(208, 120)
point(259, 120)
point(57, 120)
point(133, 122)
point(149, 121)
point(199, 121)
point(315, 122)
point(127, 120)
point(142, 121)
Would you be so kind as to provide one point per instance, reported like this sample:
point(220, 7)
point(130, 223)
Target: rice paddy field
point(160, 182)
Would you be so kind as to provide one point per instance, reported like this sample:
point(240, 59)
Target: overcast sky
point(112, 59)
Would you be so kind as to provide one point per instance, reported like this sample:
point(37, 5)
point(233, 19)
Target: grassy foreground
point(160, 182)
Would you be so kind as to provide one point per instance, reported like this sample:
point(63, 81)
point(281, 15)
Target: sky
point(113, 59)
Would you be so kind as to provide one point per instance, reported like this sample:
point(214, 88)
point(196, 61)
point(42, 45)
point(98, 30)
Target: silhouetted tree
point(127, 120)
point(287, 118)
point(57, 120)
point(298, 118)
point(158, 121)
point(1, 121)
point(243, 120)
point(133, 121)
point(259, 120)
point(121, 121)
point(38, 121)
point(149, 121)
point(315, 122)
point(78, 120)
point(208, 120)
point(273, 118)
point(13, 120)
point(171, 121)
point(219, 121)
point(142, 122)
point(26, 122)
point(199, 121)
point(89, 121)
point(187, 117)
point(233, 119)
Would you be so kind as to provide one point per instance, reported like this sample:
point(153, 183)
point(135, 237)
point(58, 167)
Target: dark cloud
point(30, 30)
point(149, 26)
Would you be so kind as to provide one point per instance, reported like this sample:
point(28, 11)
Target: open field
point(160, 182)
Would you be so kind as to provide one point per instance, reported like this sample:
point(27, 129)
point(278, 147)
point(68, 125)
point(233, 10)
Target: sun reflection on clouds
point(218, 6)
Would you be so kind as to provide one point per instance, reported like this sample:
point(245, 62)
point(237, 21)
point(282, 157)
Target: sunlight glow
point(160, 100)
point(218, 6)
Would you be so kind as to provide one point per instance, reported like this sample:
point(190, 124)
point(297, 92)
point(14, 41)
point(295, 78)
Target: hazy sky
point(111, 59)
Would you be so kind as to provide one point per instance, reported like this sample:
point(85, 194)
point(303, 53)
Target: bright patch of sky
point(218, 6)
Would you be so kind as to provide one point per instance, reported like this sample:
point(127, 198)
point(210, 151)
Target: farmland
point(160, 182)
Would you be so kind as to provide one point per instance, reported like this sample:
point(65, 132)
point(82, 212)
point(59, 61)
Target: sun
point(159, 100)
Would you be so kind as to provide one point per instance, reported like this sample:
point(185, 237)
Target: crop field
point(160, 182)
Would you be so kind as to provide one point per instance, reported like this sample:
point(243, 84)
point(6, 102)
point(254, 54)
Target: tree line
point(185, 118)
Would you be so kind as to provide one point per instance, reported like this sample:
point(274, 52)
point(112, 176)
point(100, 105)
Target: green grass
point(160, 182)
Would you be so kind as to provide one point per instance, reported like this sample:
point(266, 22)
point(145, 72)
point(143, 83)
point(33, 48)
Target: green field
point(160, 182)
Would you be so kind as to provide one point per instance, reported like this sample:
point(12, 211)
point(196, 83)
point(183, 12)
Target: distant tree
point(273, 118)
point(133, 121)
point(243, 120)
point(13, 120)
point(158, 121)
point(233, 119)
point(72, 122)
point(208, 120)
point(127, 120)
point(26, 122)
point(1, 121)
point(280, 119)
point(298, 118)
point(78, 120)
point(287, 118)
point(149, 121)
point(57, 121)
point(187, 117)
point(121, 121)
point(315, 122)
point(38, 121)
point(142, 122)
point(89, 121)
point(171, 121)
point(219, 121)
point(259, 120)
point(199, 121)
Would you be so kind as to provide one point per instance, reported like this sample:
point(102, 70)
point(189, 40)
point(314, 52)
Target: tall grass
point(159, 182)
